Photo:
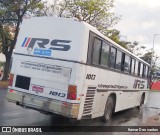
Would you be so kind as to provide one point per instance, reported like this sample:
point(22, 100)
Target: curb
point(3, 87)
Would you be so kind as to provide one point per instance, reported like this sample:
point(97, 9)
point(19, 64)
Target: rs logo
point(56, 44)
point(138, 84)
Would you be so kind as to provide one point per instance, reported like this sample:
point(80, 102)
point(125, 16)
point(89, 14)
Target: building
point(156, 85)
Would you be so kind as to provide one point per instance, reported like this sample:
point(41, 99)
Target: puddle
point(154, 107)
point(123, 121)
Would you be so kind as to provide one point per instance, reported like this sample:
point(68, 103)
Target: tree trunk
point(6, 67)
point(8, 53)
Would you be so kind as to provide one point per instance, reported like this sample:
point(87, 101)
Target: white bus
point(67, 67)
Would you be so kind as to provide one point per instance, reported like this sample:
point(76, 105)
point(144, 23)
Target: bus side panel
point(106, 82)
point(130, 97)
point(98, 80)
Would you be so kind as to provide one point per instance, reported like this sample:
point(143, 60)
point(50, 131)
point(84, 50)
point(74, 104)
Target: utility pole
point(153, 49)
point(54, 7)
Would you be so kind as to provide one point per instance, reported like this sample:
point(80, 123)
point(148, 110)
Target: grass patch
point(3, 84)
point(154, 90)
point(1, 64)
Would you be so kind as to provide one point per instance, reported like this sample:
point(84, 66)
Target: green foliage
point(12, 13)
point(147, 56)
point(115, 36)
point(6, 36)
point(137, 49)
point(151, 57)
point(98, 13)
point(1, 64)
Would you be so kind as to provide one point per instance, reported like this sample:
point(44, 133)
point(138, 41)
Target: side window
point(133, 66)
point(144, 71)
point(127, 63)
point(136, 68)
point(104, 54)
point(140, 69)
point(118, 60)
point(148, 73)
point(96, 51)
point(112, 57)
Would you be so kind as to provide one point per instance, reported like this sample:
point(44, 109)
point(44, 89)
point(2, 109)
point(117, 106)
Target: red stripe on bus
point(29, 39)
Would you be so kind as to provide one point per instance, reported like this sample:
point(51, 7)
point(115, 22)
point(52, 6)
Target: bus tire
point(141, 102)
point(108, 109)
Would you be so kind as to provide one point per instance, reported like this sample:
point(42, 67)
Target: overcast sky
point(140, 21)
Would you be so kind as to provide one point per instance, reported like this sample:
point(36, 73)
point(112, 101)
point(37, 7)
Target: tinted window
point(133, 66)
point(112, 57)
point(148, 73)
point(136, 68)
point(141, 70)
point(96, 51)
point(127, 63)
point(118, 60)
point(144, 71)
point(139, 67)
point(104, 54)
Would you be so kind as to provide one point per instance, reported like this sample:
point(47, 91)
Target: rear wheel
point(108, 109)
point(141, 102)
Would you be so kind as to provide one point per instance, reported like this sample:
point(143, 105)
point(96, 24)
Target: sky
point(140, 20)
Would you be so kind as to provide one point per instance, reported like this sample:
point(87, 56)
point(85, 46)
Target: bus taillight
point(11, 76)
point(72, 92)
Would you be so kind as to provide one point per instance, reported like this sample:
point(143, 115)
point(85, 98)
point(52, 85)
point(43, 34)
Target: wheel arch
point(143, 96)
point(114, 97)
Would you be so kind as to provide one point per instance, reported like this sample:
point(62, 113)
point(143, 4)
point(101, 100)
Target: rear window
point(22, 82)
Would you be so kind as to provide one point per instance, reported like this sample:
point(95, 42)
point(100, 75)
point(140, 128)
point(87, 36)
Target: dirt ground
point(3, 84)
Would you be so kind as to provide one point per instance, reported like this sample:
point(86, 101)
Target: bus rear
point(45, 65)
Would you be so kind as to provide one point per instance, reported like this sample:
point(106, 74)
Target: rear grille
point(22, 82)
point(89, 101)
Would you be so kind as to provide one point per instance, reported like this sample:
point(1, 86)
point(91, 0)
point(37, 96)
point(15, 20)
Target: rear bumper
point(69, 110)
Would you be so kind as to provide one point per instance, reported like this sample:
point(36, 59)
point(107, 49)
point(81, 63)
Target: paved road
point(13, 115)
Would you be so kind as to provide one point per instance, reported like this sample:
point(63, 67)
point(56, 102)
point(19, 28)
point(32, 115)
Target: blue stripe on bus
point(24, 42)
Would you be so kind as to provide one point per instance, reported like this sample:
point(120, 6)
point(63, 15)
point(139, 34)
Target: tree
point(135, 48)
point(115, 36)
point(151, 57)
point(148, 55)
point(98, 13)
point(11, 14)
